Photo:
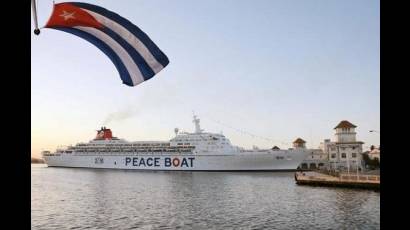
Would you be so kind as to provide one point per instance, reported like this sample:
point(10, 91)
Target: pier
point(338, 180)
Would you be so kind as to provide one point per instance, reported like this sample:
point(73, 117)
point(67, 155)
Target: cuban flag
point(133, 53)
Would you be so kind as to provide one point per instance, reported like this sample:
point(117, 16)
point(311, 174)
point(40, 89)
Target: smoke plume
point(120, 115)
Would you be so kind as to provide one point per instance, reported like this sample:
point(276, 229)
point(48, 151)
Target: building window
point(333, 155)
point(354, 155)
point(342, 148)
point(333, 148)
point(353, 148)
point(343, 155)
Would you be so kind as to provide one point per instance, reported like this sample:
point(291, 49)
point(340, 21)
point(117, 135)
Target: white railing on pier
point(360, 177)
point(342, 177)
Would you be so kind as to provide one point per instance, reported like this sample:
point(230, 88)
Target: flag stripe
point(142, 65)
point(130, 38)
point(124, 74)
point(155, 51)
point(129, 63)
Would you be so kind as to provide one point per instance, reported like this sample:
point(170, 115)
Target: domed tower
point(346, 152)
point(299, 143)
point(345, 132)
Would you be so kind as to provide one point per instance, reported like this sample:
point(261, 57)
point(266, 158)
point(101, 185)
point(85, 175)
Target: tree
point(371, 163)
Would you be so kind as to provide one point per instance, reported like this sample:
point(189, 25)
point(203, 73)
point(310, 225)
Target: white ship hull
point(198, 151)
point(244, 161)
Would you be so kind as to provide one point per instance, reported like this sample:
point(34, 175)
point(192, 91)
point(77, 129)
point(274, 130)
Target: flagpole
point(33, 6)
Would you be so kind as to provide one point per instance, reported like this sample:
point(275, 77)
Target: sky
point(262, 72)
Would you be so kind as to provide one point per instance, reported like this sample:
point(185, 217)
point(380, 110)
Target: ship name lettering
point(176, 162)
point(142, 162)
point(155, 163)
point(187, 162)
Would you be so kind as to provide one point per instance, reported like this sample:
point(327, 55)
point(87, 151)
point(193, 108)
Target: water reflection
point(122, 199)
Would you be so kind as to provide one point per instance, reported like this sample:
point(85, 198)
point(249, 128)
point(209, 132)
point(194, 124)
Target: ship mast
point(197, 126)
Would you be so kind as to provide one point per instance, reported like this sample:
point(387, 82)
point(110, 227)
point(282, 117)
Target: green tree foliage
point(370, 163)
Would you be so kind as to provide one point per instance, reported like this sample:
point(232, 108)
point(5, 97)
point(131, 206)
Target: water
point(64, 198)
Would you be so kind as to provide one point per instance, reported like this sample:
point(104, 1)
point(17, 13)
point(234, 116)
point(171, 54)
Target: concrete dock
point(341, 180)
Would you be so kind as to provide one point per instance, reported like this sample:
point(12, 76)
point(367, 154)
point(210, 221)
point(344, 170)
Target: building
point(315, 159)
point(299, 143)
point(346, 152)
point(374, 153)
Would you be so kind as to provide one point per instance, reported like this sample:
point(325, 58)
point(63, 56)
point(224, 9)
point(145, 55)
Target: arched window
point(343, 155)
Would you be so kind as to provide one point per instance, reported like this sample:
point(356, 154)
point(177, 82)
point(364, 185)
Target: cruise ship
point(197, 151)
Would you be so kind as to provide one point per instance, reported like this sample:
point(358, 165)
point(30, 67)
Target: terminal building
point(344, 154)
point(316, 159)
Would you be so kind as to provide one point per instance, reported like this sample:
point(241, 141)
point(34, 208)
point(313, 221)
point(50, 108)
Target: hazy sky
point(275, 69)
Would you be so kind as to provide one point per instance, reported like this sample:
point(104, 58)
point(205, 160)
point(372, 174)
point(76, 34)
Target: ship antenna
point(176, 130)
point(197, 126)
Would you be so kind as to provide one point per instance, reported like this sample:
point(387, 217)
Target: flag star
point(67, 15)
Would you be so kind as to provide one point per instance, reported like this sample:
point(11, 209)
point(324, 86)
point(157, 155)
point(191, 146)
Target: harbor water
point(68, 198)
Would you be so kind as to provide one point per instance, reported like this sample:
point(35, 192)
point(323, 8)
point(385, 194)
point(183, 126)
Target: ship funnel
point(104, 134)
